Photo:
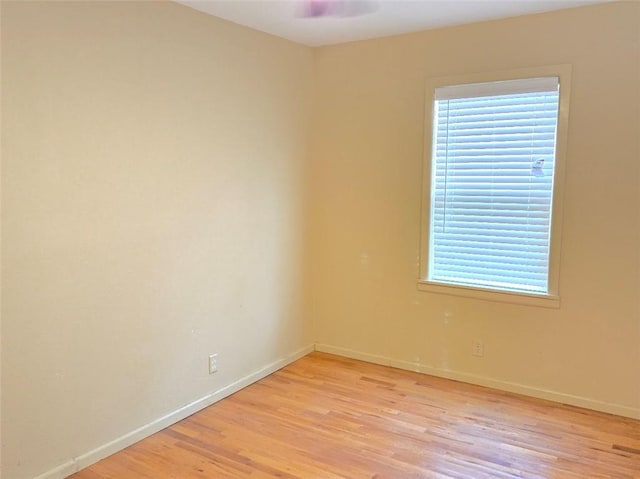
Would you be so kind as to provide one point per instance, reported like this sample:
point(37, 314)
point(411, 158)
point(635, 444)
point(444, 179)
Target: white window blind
point(493, 162)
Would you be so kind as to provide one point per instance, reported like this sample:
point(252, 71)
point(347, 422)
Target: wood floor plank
point(328, 417)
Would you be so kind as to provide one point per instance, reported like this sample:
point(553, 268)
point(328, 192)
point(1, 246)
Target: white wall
point(152, 191)
point(366, 170)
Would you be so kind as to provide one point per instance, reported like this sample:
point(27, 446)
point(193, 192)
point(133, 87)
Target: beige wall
point(366, 169)
point(0, 245)
point(152, 190)
point(157, 207)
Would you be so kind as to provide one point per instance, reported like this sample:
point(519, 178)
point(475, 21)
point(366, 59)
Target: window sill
point(541, 301)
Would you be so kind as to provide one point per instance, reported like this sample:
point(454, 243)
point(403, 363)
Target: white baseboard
point(93, 456)
point(563, 398)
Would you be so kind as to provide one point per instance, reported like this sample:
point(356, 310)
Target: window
point(493, 175)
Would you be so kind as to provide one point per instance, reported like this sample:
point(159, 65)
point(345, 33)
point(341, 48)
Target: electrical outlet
point(477, 348)
point(213, 363)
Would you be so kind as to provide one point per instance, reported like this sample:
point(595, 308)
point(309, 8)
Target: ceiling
point(285, 18)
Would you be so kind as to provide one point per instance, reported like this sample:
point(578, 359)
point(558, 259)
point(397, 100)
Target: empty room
point(320, 239)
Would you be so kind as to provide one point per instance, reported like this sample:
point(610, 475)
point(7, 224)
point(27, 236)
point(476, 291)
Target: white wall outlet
point(477, 349)
point(213, 363)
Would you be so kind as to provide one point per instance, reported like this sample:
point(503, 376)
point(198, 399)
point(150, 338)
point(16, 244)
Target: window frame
point(552, 298)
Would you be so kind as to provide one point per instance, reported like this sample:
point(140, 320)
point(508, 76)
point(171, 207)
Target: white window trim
point(552, 299)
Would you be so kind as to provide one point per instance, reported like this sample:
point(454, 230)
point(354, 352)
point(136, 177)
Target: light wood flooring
point(328, 417)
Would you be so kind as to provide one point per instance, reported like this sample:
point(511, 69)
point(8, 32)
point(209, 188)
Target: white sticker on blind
point(492, 187)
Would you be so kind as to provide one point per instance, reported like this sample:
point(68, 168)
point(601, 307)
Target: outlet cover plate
point(213, 363)
point(478, 348)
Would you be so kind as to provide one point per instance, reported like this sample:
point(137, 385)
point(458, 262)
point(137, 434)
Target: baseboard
point(93, 456)
point(563, 398)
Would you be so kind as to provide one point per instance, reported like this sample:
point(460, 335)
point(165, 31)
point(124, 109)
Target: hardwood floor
point(328, 417)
